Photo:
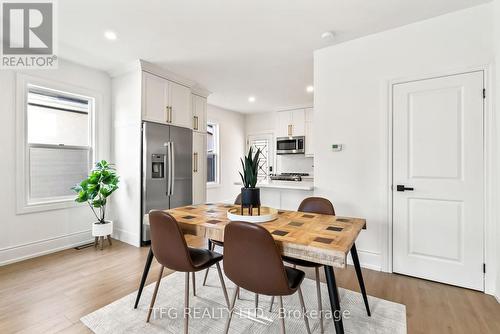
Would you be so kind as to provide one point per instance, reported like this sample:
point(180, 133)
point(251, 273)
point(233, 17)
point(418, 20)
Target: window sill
point(211, 185)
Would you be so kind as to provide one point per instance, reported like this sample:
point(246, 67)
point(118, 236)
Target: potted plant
point(250, 195)
point(95, 190)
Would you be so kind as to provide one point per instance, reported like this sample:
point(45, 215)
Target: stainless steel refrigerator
point(167, 180)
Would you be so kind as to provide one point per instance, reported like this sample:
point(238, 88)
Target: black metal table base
point(144, 276)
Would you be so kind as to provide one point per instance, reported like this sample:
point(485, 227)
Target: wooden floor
point(50, 294)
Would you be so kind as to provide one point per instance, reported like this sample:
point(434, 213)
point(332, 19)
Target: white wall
point(29, 235)
point(351, 83)
point(232, 148)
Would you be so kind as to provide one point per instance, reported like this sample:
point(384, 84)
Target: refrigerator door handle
point(172, 168)
point(167, 168)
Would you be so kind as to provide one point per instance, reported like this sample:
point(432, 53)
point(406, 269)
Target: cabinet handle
point(195, 156)
point(195, 120)
point(167, 115)
point(170, 108)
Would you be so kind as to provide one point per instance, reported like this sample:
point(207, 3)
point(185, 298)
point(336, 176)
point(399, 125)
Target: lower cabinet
point(199, 168)
point(285, 199)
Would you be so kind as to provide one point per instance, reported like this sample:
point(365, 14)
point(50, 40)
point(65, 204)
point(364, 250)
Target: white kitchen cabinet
point(298, 122)
point(199, 168)
point(309, 132)
point(199, 106)
point(180, 105)
point(165, 101)
point(155, 98)
point(291, 123)
point(284, 121)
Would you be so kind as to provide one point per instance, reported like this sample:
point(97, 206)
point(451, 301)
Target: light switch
point(336, 147)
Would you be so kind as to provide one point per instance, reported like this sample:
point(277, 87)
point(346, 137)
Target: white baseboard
point(497, 298)
point(368, 260)
point(127, 237)
point(42, 247)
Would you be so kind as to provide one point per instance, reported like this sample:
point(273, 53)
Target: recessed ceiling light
point(251, 99)
point(111, 35)
point(310, 89)
point(327, 35)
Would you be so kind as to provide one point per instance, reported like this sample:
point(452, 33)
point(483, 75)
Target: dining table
point(318, 238)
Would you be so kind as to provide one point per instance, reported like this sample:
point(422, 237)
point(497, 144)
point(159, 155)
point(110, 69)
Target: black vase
point(250, 198)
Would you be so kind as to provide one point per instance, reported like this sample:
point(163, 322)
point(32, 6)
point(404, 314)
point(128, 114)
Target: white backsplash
point(294, 163)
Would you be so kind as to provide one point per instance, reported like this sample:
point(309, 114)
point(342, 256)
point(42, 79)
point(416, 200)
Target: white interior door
point(438, 152)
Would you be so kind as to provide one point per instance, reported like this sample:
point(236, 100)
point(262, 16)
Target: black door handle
point(401, 187)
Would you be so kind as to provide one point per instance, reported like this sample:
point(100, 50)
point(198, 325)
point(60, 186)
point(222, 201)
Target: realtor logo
point(28, 31)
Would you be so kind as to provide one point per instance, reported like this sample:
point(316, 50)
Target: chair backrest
point(237, 200)
point(253, 261)
point(317, 205)
point(168, 243)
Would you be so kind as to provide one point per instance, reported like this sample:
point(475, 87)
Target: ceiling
point(236, 49)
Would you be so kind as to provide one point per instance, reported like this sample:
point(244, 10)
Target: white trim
point(37, 248)
point(490, 256)
point(218, 158)
point(22, 81)
point(368, 260)
point(295, 107)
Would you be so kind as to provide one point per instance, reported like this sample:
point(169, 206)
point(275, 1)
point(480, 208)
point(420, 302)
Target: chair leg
point(223, 284)
point(109, 240)
point(271, 306)
point(320, 304)
point(256, 301)
point(282, 319)
point(304, 313)
point(211, 246)
point(96, 241)
point(186, 305)
point(231, 310)
point(153, 299)
point(194, 283)
point(355, 260)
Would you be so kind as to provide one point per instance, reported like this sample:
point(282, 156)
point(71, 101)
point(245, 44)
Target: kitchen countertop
point(292, 185)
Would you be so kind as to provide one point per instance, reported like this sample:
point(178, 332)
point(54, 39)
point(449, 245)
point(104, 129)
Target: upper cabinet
point(180, 105)
point(155, 98)
point(199, 107)
point(291, 123)
point(309, 133)
point(165, 101)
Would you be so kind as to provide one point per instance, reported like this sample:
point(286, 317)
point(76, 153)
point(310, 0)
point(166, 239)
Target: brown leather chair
point(171, 251)
point(312, 205)
point(323, 206)
point(253, 262)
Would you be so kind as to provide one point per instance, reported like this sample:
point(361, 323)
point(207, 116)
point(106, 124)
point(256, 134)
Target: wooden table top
point(323, 239)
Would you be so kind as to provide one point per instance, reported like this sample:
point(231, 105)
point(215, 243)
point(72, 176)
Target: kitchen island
point(285, 195)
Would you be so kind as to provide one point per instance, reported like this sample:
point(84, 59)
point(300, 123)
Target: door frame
point(489, 163)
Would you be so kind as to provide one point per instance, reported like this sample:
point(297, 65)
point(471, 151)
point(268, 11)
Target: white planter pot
point(102, 230)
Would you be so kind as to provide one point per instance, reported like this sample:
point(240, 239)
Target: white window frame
point(23, 81)
point(216, 183)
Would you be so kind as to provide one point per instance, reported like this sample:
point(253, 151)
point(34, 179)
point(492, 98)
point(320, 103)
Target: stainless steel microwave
point(290, 145)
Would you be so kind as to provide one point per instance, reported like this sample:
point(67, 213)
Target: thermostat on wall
point(336, 147)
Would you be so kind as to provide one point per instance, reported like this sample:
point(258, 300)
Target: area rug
point(208, 312)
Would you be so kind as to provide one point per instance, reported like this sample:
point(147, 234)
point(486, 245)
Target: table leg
point(355, 260)
point(333, 293)
point(147, 266)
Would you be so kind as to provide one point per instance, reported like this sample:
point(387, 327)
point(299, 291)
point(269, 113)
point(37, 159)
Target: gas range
point(288, 176)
